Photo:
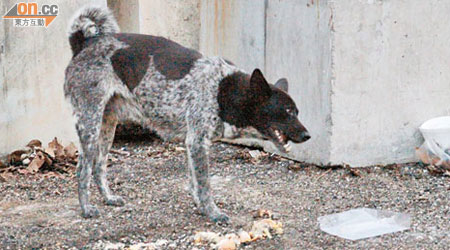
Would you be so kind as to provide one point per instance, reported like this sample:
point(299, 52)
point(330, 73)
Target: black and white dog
point(167, 88)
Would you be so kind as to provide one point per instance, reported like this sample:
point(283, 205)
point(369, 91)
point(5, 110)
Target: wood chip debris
point(256, 154)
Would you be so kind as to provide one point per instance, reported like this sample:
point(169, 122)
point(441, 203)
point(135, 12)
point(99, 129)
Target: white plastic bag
point(363, 223)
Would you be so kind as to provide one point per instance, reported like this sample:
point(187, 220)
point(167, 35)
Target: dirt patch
point(43, 212)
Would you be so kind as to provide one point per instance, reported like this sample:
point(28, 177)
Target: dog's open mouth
point(280, 140)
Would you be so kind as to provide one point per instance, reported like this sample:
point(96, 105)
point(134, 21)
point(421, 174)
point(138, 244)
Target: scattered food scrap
point(260, 229)
point(206, 237)
point(159, 244)
point(263, 213)
point(263, 228)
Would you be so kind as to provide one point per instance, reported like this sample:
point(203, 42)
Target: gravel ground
point(42, 212)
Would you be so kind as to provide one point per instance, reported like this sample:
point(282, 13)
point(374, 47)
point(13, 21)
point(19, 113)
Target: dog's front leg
point(197, 144)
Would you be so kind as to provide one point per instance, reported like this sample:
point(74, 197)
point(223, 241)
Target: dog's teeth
point(287, 147)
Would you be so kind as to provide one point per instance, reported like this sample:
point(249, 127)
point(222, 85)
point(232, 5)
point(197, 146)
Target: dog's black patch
point(230, 99)
point(77, 42)
point(238, 96)
point(171, 59)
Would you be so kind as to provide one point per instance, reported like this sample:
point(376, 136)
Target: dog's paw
point(220, 218)
point(90, 212)
point(115, 200)
point(215, 214)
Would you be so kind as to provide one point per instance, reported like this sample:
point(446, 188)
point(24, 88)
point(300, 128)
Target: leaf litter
point(34, 159)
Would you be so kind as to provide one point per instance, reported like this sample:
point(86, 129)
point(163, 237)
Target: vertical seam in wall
point(3, 45)
point(265, 33)
point(332, 7)
point(140, 21)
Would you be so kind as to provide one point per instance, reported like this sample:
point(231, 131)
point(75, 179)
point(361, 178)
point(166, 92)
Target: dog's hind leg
point(88, 127)
point(197, 143)
point(106, 139)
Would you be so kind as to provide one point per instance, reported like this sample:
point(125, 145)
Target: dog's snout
point(306, 136)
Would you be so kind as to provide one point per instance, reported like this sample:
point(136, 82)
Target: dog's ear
point(259, 87)
point(282, 84)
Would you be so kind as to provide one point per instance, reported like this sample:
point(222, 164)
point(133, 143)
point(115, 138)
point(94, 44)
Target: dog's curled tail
point(90, 21)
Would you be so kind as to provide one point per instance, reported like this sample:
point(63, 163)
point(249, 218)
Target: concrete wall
point(176, 20)
point(298, 47)
point(234, 29)
point(391, 62)
point(127, 14)
point(365, 74)
point(32, 63)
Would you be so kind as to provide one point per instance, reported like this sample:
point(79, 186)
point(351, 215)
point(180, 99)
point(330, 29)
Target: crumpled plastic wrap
point(437, 162)
point(435, 151)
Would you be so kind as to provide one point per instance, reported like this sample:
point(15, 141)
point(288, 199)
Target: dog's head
point(252, 101)
point(275, 113)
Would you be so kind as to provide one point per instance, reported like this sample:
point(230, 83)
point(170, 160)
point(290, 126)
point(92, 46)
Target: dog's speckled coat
point(180, 109)
point(169, 89)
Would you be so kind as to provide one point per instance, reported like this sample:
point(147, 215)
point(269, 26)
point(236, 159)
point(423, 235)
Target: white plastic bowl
point(437, 134)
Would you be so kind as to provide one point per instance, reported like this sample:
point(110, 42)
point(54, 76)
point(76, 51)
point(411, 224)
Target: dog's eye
point(291, 112)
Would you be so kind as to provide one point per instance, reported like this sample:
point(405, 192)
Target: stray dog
point(170, 89)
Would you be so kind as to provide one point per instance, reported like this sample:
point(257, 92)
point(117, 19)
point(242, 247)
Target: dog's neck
point(233, 97)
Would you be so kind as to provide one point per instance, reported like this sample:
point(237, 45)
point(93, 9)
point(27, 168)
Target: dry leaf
point(3, 165)
point(354, 172)
point(23, 171)
point(71, 151)
point(34, 143)
point(50, 152)
point(57, 148)
point(54, 174)
point(295, 167)
point(36, 163)
point(15, 156)
point(47, 158)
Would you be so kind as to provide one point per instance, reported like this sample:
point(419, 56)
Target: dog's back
point(167, 81)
